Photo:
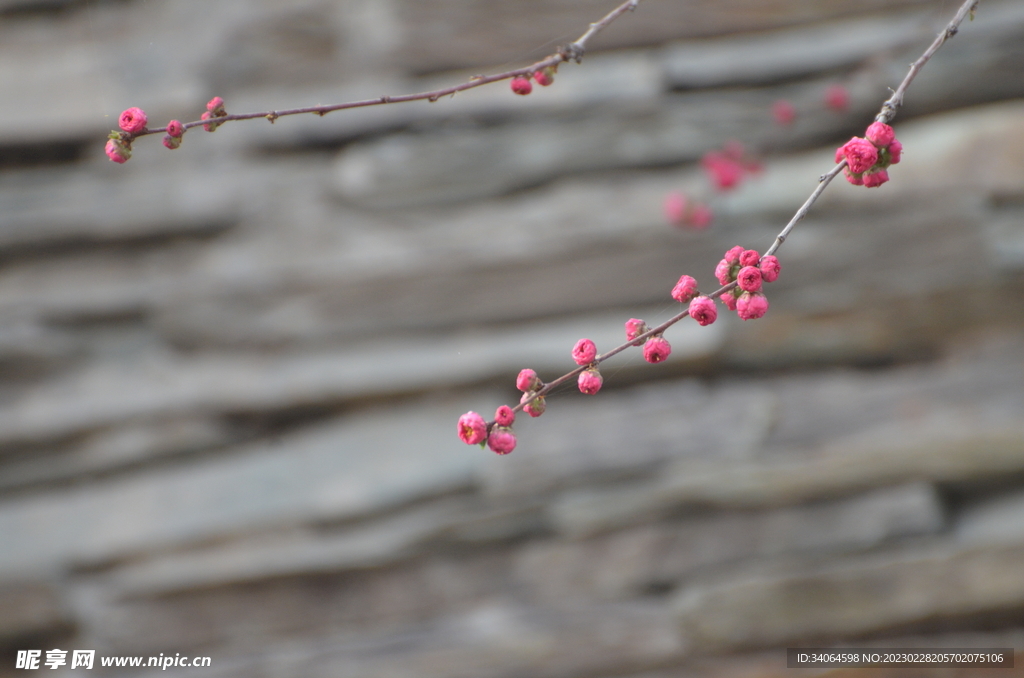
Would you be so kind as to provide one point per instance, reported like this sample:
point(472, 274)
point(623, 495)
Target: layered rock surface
point(230, 374)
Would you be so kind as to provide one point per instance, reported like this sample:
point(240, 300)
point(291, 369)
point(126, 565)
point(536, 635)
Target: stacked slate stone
point(230, 373)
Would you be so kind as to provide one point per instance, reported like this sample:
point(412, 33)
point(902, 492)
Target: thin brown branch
point(888, 112)
point(893, 104)
point(572, 52)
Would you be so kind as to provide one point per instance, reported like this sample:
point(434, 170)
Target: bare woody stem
point(572, 52)
point(893, 104)
point(888, 112)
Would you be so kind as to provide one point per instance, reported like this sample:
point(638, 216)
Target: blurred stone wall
point(230, 374)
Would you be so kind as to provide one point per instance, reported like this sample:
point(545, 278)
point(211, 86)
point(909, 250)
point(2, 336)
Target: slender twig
point(893, 104)
point(888, 112)
point(572, 52)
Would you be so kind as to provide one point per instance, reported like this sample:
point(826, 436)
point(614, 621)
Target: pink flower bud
point(685, 289)
point(215, 106)
point(733, 255)
point(855, 179)
point(895, 151)
point(584, 352)
point(545, 76)
point(729, 299)
point(725, 172)
point(702, 309)
point(472, 428)
point(175, 130)
point(210, 126)
point(521, 85)
point(749, 279)
point(590, 381)
point(534, 406)
point(657, 349)
point(634, 328)
point(118, 151)
point(723, 272)
point(770, 268)
point(702, 216)
point(749, 258)
point(504, 416)
point(751, 305)
point(132, 120)
point(528, 380)
point(501, 440)
point(880, 134)
point(783, 112)
point(837, 98)
point(860, 154)
point(675, 208)
point(875, 179)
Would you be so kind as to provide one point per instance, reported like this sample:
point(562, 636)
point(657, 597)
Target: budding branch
point(572, 52)
point(888, 112)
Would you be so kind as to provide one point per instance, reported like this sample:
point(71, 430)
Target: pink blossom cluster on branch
point(741, 272)
point(868, 158)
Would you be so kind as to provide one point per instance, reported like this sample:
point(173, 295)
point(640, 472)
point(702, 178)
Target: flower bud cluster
point(119, 144)
point(175, 131)
point(214, 109)
point(749, 270)
point(521, 83)
point(746, 268)
point(681, 211)
point(728, 167)
point(585, 353)
point(473, 430)
point(656, 348)
point(133, 123)
point(868, 158)
point(529, 383)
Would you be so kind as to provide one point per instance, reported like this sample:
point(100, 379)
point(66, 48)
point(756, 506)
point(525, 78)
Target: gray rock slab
point(796, 52)
point(659, 554)
point(630, 433)
point(340, 469)
point(448, 33)
point(495, 638)
point(862, 519)
point(373, 543)
point(850, 598)
point(110, 207)
point(131, 445)
point(912, 453)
